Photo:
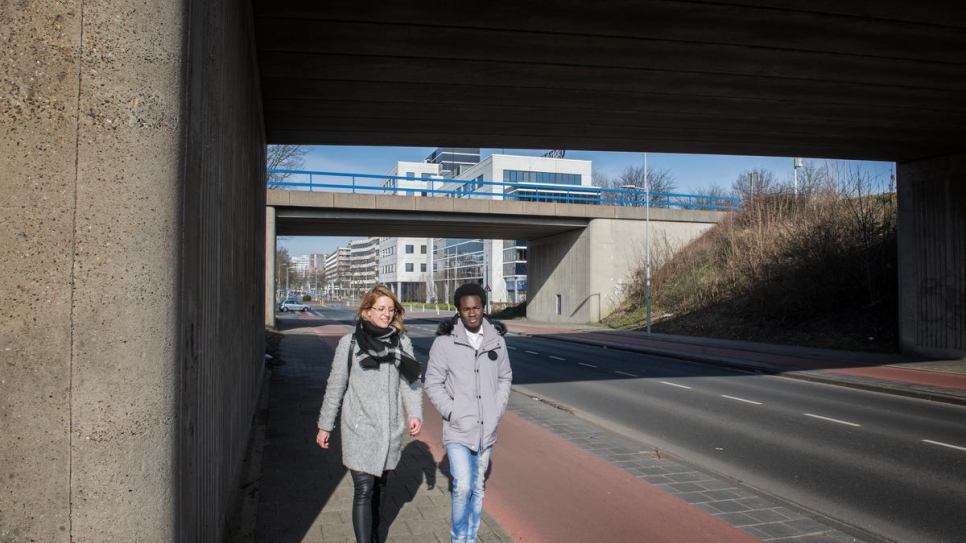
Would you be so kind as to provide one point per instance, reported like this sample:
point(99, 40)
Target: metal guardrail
point(528, 192)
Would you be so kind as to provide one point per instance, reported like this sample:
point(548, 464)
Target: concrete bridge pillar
point(932, 256)
point(580, 276)
point(271, 251)
point(133, 199)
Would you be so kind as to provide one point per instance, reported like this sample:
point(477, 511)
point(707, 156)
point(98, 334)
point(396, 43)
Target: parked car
point(292, 305)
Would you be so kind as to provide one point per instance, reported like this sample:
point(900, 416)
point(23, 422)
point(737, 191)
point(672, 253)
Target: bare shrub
point(785, 259)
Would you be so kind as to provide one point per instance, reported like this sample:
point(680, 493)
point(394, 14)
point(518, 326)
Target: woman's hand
point(322, 439)
point(415, 426)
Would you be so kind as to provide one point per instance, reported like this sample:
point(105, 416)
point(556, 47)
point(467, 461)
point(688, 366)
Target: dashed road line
point(675, 385)
point(558, 358)
point(847, 423)
point(740, 399)
point(531, 352)
point(941, 444)
point(627, 374)
point(586, 364)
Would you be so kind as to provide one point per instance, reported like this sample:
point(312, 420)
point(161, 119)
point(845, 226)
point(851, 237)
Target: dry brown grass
point(816, 271)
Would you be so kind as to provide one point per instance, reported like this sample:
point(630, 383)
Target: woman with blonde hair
point(374, 378)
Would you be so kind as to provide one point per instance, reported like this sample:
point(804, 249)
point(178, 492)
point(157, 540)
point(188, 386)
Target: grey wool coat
point(469, 387)
point(372, 403)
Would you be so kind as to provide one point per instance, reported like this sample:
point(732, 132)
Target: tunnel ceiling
point(882, 80)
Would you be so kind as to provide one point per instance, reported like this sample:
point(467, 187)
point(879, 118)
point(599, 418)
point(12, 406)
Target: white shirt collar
point(475, 339)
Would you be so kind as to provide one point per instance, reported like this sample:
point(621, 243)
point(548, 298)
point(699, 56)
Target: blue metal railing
point(529, 192)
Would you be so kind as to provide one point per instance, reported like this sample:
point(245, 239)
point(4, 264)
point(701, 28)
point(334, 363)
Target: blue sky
point(691, 173)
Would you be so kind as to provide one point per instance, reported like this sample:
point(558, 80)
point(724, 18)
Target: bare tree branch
point(284, 157)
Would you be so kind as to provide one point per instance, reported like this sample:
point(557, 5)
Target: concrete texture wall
point(134, 231)
point(932, 256)
point(39, 125)
point(271, 249)
point(589, 269)
point(223, 264)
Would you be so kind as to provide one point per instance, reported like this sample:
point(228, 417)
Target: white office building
point(404, 267)
point(414, 178)
point(498, 265)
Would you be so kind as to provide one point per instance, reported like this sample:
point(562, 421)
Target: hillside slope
point(817, 271)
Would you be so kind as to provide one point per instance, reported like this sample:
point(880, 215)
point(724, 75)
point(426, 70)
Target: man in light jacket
point(468, 381)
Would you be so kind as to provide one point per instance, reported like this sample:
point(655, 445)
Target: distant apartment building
point(300, 263)
point(317, 262)
point(337, 273)
point(363, 266)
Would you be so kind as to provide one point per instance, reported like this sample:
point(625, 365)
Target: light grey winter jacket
point(372, 402)
point(469, 387)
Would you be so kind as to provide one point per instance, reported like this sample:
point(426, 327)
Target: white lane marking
point(531, 352)
point(557, 358)
point(740, 399)
point(627, 374)
point(941, 444)
point(511, 348)
point(585, 364)
point(832, 420)
point(675, 385)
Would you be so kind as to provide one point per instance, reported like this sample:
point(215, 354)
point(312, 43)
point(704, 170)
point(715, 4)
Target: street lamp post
point(647, 241)
point(798, 164)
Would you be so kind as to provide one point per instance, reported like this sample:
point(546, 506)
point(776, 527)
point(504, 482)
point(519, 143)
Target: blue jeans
point(468, 469)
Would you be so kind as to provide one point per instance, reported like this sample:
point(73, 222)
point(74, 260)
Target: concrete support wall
point(133, 152)
point(932, 256)
point(580, 276)
point(223, 264)
point(40, 75)
point(271, 249)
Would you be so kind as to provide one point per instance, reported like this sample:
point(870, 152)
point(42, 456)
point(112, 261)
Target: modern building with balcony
point(499, 265)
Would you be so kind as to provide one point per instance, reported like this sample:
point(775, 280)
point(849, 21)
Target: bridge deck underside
point(354, 222)
point(881, 80)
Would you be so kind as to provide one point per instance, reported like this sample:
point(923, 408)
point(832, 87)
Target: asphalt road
point(883, 467)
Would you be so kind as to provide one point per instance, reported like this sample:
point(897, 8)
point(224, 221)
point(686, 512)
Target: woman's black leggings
point(365, 505)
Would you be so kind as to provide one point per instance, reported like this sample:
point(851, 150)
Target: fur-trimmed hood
point(445, 328)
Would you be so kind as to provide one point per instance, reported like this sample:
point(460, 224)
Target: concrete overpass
point(579, 253)
point(133, 203)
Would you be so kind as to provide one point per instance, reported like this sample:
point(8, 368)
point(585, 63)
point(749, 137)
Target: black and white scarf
point(381, 346)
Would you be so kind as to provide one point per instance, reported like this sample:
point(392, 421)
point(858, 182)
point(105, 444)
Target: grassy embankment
point(816, 271)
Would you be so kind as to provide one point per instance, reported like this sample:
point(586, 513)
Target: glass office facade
point(453, 159)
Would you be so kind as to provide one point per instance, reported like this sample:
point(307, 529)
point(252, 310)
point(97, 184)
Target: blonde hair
point(369, 300)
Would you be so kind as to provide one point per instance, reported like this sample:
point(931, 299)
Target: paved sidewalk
point(304, 494)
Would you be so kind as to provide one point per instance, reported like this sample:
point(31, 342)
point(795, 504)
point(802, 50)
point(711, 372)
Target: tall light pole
point(798, 164)
point(287, 275)
point(647, 243)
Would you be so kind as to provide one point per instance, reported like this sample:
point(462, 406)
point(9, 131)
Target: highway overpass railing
point(471, 188)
